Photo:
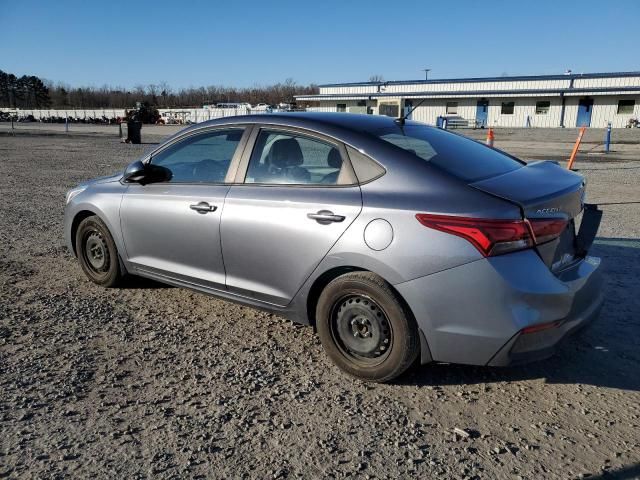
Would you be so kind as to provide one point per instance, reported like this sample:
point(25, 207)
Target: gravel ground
point(149, 381)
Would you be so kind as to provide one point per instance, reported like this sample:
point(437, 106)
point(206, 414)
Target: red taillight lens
point(494, 237)
point(545, 230)
point(540, 327)
point(490, 237)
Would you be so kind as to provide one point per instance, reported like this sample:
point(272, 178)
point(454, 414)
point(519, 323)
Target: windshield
point(465, 158)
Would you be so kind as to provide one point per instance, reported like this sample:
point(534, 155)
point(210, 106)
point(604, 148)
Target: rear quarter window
point(462, 157)
point(365, 168)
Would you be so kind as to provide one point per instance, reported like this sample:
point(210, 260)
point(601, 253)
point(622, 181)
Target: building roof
point(477, 93)
point(614, 83)
point(506, 78)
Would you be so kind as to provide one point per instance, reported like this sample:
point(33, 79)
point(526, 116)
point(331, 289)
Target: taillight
point(545, 230)
point(540, 327)
point(495, 237)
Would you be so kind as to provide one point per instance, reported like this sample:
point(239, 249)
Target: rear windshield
point(460, 156)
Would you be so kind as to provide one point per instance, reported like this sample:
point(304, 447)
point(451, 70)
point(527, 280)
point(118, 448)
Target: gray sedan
point(400, 243)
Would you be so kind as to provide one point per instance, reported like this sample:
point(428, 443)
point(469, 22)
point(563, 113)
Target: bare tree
point(31, 92)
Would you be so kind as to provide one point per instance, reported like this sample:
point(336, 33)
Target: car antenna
point(400, 120)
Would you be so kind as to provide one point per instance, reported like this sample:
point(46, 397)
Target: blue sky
point(244, 42)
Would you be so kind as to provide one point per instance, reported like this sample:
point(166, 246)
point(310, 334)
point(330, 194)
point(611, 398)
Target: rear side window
point(287, 158)
point(462, 157)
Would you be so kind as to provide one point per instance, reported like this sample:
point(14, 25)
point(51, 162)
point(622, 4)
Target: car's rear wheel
point(365, 329)
point(97, 252)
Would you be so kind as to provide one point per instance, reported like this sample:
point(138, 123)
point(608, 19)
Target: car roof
point(318, 121)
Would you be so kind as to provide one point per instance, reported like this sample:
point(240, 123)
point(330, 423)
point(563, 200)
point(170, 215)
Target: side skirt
point(217, 293)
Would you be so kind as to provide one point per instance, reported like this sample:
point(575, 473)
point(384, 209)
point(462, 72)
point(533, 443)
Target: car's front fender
point(103, 200)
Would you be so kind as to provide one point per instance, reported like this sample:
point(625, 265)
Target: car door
point(294, 196)
point(171, 229)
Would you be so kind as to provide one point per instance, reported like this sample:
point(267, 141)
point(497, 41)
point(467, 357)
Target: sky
point(244, 42)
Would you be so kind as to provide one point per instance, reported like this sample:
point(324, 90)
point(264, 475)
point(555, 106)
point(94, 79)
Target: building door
point(585, 106)
point(482, 113)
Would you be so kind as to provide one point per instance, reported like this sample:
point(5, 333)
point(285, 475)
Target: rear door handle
point(325, 217)
point(203, 207)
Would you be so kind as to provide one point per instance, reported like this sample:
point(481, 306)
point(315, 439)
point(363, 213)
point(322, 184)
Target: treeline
point(31, 92)
point(27, 91)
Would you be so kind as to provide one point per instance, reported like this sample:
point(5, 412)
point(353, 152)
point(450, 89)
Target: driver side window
point(202, 158)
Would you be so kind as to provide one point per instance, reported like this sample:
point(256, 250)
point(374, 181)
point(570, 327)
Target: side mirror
point(134, 173)
point(138, 172)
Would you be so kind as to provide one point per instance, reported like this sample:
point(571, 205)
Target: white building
point(568, 100)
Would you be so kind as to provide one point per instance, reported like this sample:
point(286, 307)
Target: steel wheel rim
point(361, 329)
point(96, 252)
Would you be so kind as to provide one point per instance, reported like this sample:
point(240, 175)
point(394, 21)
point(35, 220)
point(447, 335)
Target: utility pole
point(426, 73)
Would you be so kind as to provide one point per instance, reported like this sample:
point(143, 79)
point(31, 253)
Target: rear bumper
point(530, 347)
point(475, 313)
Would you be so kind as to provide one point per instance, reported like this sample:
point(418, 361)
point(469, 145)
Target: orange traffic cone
point(490, 137)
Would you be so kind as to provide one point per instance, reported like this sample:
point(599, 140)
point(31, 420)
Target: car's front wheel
point(97, 252)
point(365, 329)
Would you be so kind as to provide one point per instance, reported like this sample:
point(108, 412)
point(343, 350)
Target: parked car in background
point(398, 242)
point(233, 105)
point(261, 107)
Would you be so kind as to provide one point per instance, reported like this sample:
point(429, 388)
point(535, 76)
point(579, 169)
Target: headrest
point(286, 153)
point(334, 159)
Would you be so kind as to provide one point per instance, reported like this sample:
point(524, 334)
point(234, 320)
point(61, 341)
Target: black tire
point(97, 252)
point(386, 340)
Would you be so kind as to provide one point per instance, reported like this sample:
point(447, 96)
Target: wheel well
point(80, 216)
point(319, 284)
point(324, 280)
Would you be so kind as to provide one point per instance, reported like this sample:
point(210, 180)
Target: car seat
point(286, 157)
point(334, 160)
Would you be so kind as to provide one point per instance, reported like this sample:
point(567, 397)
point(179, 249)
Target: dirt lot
point(150, 381)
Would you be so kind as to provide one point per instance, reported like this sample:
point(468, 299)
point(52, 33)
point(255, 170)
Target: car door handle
point(203, 207)
point(325, 217)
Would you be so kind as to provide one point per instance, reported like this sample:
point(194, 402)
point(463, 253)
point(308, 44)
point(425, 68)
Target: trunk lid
point(544, 189)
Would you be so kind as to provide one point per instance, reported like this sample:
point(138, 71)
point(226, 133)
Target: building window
point(388, 109)
point(341, 107)
point(362, 103)
point(626, 106)
point(542, 107)
point(507, 108)
point(452, 108)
